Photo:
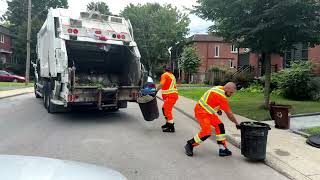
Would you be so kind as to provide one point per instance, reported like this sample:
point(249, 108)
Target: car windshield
point(4, 73)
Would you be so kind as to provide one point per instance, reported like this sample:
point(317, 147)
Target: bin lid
point(314, 141)
point(281, 106)
point(145, 99)
point(255, 124)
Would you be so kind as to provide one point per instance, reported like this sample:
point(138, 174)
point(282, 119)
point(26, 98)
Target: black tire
point(45, 92)
point(112, 109)
point(35, 91)
point(51, 108)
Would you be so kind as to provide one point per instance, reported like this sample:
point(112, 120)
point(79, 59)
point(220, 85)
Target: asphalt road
point(120, 140)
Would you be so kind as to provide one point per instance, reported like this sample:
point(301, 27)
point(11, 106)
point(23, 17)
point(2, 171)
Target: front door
point(243, 59)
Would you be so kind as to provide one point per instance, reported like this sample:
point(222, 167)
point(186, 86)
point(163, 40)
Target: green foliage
point(156, 28)
point(312, 131)
point(295, 81)
point(16, 18)
point(315, 88)
point(101, 7)
point(216, 69)
point(263, 25)
point(190, 60)
point(243, 79)
point(253, 88)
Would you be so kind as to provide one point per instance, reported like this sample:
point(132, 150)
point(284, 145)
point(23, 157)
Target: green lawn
point(8, 84)
point(250, 104)
point(11, 85)
point(312, 131)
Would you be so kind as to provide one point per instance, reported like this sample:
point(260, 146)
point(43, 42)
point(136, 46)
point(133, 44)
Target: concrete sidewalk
point(15, 92)
point(287, 152)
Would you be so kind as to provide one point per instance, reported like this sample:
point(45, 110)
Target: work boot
point(189, 149)
point(164, 126)
point(168, 128)
point(224, 152)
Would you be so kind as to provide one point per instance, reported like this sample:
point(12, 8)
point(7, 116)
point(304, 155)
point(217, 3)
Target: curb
point(306, 114)
point(300, 133)
point(271, 160)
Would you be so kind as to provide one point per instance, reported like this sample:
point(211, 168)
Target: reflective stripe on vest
point(203, 100)
point(171, 89)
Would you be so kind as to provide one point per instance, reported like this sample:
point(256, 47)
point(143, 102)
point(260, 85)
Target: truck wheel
point(51, 108)
point(35, 91)
point(114, 109)
point(45, 92)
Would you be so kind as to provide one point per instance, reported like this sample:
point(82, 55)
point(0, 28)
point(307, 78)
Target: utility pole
point(28, 43)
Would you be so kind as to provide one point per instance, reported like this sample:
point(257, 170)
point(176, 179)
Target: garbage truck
point(87, 59)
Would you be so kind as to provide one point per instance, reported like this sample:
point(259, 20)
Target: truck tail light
point(71, 98)
point(75, 31)
point(98, 32)
point(70, 31)
point(123, 37)
point(118, 36)
point(102, 38)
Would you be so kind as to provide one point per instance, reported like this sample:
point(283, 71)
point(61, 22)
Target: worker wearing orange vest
point(170, 97)
point(209, 104)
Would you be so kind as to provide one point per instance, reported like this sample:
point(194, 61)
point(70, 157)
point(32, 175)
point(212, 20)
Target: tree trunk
point(266, 57)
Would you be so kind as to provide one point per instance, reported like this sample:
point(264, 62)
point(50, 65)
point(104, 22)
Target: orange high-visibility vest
point(169, 85)
point(211, 105)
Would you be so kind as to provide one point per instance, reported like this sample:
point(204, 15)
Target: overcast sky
point(197, 25)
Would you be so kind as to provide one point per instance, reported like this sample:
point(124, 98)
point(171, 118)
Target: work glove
point(219, 112)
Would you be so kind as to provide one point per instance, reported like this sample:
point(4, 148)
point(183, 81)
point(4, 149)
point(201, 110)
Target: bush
point(253, 88)
point(314, 85)
point(243, 79)
point(295, 81)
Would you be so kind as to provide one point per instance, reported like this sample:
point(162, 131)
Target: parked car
point(10, 77)
point(149, 88)
point(14, 167)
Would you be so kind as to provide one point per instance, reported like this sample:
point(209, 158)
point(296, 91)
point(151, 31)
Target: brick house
point(5, 47)
point(214, 51)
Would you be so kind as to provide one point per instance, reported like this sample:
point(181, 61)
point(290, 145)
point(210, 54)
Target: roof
point(205, 38)
point(5, 31)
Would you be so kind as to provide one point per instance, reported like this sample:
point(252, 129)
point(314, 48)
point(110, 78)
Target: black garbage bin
point(149, 107)
point(254, 137)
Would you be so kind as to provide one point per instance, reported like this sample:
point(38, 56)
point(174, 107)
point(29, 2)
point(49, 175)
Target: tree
point(190, 61)
point(264, 26)
point(16, 16)
point(156, 29)
point(101, 7)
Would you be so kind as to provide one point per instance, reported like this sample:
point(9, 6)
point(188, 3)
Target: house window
point(217, 51)
point(1, 38)
point(231, 63)
point(234, 49)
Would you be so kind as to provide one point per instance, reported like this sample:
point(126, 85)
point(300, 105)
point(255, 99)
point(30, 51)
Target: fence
point(208, 77)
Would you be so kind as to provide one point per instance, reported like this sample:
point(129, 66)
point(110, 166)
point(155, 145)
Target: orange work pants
point(169, 101)
point(207, 120)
